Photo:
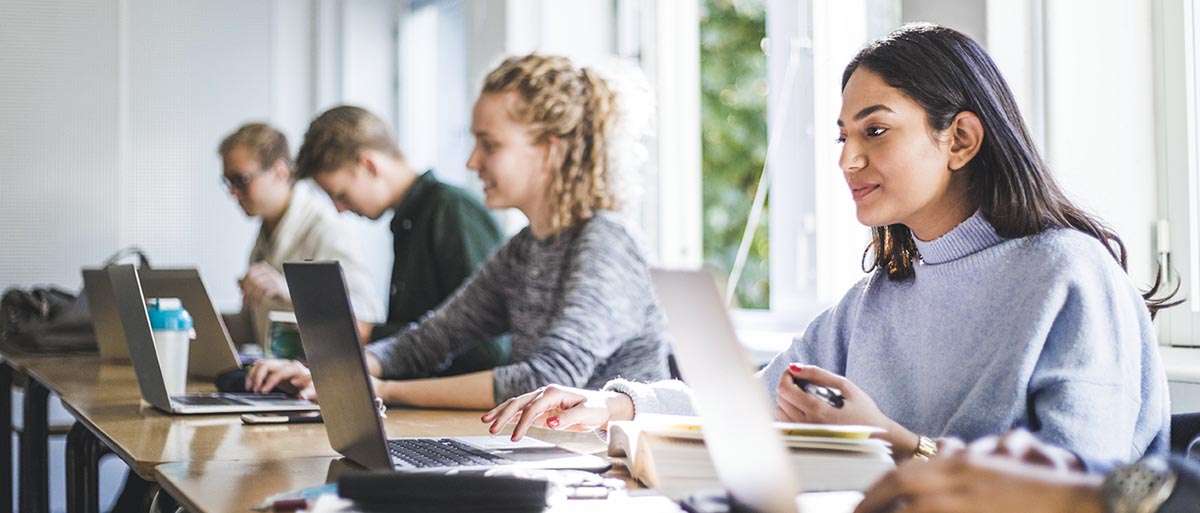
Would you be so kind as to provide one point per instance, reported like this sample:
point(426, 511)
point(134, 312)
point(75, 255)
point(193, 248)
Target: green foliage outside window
point(733, 82)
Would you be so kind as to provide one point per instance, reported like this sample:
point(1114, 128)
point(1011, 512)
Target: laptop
point(211, 354)
point(748, 454)
point(353, 413)
point(106, 322)
point(130, 304)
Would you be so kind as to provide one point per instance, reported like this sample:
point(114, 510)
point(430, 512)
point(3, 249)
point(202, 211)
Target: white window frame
point(1175, 24)
point(670, 55)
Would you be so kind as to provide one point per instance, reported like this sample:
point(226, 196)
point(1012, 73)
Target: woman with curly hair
point(572, 289)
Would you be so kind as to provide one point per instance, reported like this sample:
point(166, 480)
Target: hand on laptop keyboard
point(286, 376)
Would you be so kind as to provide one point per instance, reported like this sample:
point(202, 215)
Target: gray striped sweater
point(579, 307)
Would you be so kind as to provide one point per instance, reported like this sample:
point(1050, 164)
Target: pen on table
point(289, 504)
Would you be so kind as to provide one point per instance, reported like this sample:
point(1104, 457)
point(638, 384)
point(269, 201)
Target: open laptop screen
point(339, 370)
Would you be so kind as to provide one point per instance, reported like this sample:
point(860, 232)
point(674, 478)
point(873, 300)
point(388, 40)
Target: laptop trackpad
point(535, 453)
point(503, 443)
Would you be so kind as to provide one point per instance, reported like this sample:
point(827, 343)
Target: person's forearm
point(1068, 492)
point(904, 442)
point(467, 391)
point(364, 331)
point(620, 407)
point(374, 368)
point(1085, 498)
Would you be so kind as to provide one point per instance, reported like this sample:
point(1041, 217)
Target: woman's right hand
point(559, 407)
point(289, 376)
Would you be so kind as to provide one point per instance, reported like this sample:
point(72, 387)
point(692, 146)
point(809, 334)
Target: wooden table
point(106, 402)
point(207, 483)
point(213, 462)
point(239, 486)
point(35, 432)
point(208, 487)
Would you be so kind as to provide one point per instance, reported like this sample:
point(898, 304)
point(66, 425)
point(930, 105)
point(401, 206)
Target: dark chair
point(1185, 427)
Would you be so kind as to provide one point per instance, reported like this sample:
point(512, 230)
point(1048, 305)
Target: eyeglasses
point(240, 181)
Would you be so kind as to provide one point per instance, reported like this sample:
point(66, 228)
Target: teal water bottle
point(173, 335)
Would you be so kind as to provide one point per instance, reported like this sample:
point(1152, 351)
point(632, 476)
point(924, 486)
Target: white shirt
point(312, 229)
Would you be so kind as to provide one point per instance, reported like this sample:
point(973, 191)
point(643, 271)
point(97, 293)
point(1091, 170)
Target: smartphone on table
point(283, 417)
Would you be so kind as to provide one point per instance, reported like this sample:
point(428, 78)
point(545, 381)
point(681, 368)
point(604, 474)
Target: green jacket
point(441, 236)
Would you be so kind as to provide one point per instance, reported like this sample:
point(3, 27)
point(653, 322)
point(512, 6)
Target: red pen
point(289, 505)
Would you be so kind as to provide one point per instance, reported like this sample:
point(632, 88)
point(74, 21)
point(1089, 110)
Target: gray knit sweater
point(579, 307)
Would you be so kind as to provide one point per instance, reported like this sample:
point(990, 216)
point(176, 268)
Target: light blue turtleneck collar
point(969, 237)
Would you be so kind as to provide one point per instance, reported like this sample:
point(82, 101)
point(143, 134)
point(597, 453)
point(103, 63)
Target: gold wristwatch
point(926, 448)
point(1139, 487)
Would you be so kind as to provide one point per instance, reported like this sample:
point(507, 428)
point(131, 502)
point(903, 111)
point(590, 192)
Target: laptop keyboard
point(227, 399)
point(206, 400)
point(441, 452)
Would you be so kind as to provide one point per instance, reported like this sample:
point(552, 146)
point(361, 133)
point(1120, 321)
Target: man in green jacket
point(441, 234)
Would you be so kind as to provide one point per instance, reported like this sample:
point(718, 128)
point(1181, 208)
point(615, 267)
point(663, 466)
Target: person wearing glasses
point(297, 224)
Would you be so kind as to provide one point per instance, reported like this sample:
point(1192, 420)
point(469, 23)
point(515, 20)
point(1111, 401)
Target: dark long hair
point(946, 73)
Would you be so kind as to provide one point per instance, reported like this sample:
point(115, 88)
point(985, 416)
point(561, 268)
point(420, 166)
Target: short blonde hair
point(576, 107)
point(338, 136)
point(265, 142)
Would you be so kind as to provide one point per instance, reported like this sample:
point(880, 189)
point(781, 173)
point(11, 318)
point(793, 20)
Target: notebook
point(668, 453)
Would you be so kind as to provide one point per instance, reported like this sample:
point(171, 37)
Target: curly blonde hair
point(576, 107)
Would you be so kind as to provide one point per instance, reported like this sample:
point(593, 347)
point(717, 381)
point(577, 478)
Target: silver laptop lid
point(749, 456)
point(339, 370)
point(106, 322)
point(212, 352)
point(131, 307)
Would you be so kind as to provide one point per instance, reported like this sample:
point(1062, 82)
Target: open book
point(667, 453)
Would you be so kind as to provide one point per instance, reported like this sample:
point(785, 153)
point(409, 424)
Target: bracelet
point(926, 448)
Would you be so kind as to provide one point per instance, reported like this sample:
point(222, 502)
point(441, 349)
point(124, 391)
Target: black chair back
point(1185, 427)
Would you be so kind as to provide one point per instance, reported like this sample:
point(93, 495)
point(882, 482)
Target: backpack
point(50, 319)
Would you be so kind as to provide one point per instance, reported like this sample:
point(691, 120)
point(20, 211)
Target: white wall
point(1100, 125)
point(113, 112)
point(58, 142)
point(369, 56)
point(436, 92)
point(966, 16)
point(293, 67)
point(192, 73)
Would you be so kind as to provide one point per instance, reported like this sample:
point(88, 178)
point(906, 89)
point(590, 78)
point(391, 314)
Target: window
point(771, 70)
point(733, 93)
point(1178, 243)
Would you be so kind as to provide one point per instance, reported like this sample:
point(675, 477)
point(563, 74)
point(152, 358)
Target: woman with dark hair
point(992, 301)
